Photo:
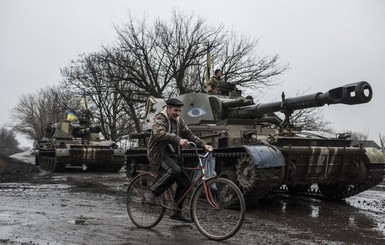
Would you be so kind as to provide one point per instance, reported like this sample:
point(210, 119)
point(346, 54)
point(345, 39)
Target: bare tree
point(8, 142)
point(241, 64)
point(168, 58)
point(91, 76)
point(35, 110)
point(382, 142)
point(310, 119)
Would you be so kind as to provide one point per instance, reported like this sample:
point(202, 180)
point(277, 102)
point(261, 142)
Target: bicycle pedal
point(165, 206)
point(168, 205)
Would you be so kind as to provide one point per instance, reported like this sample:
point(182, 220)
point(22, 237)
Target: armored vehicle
point(261, 152)
point(77, 144)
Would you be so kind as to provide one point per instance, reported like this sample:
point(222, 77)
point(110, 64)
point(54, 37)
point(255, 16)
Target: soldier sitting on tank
point(219, 87)
point(85, 117)
point(48, 131)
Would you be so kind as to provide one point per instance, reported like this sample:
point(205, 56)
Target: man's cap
point(174, 102)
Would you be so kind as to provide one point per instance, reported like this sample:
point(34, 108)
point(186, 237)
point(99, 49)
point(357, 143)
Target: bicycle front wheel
point(141, 213)
point(219, 211)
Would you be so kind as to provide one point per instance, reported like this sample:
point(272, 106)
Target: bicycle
point(217, 206)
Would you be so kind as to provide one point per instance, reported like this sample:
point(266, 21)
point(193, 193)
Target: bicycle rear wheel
point(223, 219)
point(141, 213)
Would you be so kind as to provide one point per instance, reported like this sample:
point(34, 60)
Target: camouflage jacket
point(217, 86)
point(161, 136)
point(213, 85)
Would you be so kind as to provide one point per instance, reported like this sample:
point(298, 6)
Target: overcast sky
point(326, 43)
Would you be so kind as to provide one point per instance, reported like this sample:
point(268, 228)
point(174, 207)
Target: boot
point(179, 216)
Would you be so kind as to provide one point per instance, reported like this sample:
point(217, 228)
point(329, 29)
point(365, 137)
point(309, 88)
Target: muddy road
point(89, 208)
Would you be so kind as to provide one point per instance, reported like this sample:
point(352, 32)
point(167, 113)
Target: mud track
point(75, 207)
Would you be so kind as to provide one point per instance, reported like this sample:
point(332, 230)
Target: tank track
point(53, 164)
point(254, 183)
point(58, 164)
point(376, 173)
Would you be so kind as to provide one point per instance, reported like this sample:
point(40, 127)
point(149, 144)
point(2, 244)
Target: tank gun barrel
point(350, 94)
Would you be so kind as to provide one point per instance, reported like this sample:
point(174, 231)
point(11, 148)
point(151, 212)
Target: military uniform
point(213, 85)
point(217, 86)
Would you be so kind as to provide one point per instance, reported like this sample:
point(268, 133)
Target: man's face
point(173, 112)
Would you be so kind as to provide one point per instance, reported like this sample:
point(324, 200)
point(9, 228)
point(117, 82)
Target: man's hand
point(183, 142)
point(208, 148)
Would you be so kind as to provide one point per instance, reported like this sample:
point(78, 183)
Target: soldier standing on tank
point(217, 86)
point(48, 131)
point(213, 83)
point(169, 134)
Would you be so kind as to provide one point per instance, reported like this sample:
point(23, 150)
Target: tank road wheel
point(358, 171)
point(246, 173)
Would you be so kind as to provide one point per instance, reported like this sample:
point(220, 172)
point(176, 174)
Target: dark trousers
point(168, 173)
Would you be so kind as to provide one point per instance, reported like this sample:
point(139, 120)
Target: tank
point(261, 152)
point(77, 144)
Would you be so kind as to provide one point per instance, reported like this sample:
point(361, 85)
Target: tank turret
point(67, 129)
point(262, 152)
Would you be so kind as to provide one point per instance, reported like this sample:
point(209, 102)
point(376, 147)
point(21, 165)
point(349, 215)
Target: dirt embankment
point(13, 170)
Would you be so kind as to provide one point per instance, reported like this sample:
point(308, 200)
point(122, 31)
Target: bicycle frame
point(200, 180)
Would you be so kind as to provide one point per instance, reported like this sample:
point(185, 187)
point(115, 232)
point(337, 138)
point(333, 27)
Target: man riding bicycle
point(169, 134)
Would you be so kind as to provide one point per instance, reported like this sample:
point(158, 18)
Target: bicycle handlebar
point(196, 150)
